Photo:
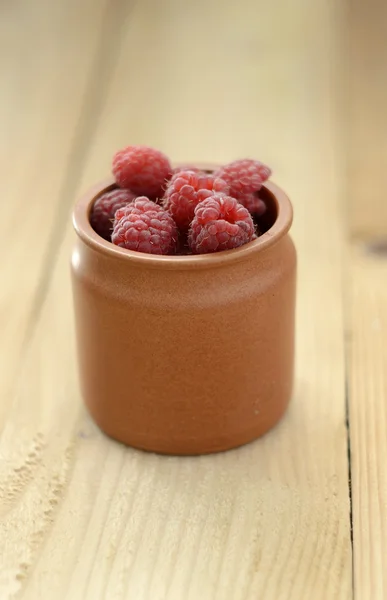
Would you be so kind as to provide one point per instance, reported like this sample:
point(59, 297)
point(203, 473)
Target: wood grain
point(86, 518)
point(368, 418)
point(44, 105)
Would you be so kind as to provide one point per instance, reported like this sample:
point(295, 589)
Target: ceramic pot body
point(188, 354)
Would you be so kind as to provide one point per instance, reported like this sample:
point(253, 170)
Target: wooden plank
point(270, 520)
point(366, 296)
point(47, 61)
point(364, 110)
point(368, 419)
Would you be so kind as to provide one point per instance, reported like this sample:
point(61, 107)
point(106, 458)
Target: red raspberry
point(220, 223)
point(254, 204)
point(244, 176)
point(144, 226)
point(184, 192)
point(141, 169)
point(104, 208)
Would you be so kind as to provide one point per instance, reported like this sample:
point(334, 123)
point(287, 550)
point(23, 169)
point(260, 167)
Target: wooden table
point(301, 513)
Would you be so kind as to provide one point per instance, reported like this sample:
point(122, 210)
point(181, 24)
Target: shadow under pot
point(186, 354)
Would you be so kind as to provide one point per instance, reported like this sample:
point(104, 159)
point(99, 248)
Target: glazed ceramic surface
point(186, 354)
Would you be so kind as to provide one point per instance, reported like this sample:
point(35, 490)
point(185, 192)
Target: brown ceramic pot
point(186, 354)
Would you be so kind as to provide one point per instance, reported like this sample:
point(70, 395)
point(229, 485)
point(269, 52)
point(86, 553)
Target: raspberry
point(144, 226)
point(141, 169)
point(220, 223)
point(184, 192)
point(254, 204)
point(244, 176)
point(104, 208)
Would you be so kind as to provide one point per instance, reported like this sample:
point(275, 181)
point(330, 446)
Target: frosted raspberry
point(144, 226)
point(244, 176)
point(220, 223)
point(184, 192)
point(104, 208)
point(254, 204)
point(141, 169)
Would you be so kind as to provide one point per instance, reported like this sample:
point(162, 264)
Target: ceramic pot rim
point(86, 233)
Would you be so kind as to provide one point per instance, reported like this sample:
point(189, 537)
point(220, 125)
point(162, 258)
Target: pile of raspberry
point(160, 210)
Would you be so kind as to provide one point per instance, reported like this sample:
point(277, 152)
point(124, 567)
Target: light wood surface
point(81, 517)
point(367, 362)
point(364, 114)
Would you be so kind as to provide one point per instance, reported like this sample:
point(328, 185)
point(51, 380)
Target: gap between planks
point(367, 399)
